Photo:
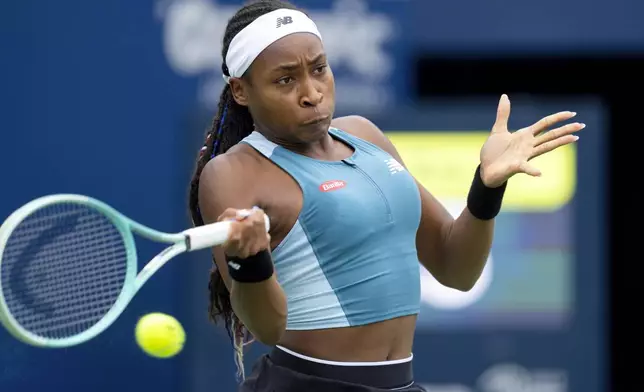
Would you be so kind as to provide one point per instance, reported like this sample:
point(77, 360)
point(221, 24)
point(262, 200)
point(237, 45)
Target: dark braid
point(232, 123)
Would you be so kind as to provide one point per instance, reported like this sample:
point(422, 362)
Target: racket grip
point(210, 235)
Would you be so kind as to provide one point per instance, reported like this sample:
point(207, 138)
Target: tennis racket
point(68, 267)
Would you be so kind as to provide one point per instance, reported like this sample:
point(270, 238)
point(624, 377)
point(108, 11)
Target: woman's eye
point(285, 80)
point(320, 69)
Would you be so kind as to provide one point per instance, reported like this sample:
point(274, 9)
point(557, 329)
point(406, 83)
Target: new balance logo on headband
point(283, 21)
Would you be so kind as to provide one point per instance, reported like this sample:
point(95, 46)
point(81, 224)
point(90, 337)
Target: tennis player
point(335, 288)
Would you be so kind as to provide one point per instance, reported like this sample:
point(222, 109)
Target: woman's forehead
point(289, 49)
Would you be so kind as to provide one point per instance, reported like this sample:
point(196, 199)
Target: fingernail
point(576, 138)
point(582, 126)
point(243, 214)
point(574, 114)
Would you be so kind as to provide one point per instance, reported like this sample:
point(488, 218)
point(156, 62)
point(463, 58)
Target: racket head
point(54, 251)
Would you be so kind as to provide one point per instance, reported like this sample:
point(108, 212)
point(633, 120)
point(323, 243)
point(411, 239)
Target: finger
point(258, 217)
point(256, 245)
point(530, 170)
point(252, 213)
point(234, 241)
point(243, 246)
point(254, 249)
point(548, 121)
point(559, 132)
point(502, 115)
point(228, 214)
point(553, 144)
point(244, 214)
point(235, 231)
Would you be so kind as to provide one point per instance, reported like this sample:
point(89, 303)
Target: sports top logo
point(332, 185)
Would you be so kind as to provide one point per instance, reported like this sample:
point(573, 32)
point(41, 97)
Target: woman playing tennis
point(335, 288)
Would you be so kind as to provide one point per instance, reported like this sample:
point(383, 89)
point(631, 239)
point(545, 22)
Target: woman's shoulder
point(237, 168)
point(364, 129)
point(356, 125)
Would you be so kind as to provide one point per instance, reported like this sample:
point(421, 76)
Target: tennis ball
point(160, 335)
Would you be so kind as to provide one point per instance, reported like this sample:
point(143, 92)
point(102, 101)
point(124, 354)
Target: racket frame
point(189, 240)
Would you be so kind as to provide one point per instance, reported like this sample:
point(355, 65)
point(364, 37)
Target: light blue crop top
point(350, 258)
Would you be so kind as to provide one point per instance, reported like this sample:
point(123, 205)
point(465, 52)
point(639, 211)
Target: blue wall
point(90, 103)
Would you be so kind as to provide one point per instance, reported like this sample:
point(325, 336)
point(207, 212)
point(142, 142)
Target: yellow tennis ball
point(160, 335)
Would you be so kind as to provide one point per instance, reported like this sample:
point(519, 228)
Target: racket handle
point(210, 235)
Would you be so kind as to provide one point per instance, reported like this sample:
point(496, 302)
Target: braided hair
point(230, 125)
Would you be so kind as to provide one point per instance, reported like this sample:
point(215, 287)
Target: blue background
point(89, 103)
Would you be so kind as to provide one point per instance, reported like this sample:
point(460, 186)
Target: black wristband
point(253, 269)
point(483, 202)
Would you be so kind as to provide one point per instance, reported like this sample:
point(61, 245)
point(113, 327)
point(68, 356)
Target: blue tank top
point(350, 258)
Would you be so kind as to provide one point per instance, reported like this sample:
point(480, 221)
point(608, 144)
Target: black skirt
point(281, 371)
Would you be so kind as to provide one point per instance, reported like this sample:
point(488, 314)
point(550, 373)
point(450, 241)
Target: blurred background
point(111, 99)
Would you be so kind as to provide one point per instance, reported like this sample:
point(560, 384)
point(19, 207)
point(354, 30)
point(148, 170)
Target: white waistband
point(334, 363)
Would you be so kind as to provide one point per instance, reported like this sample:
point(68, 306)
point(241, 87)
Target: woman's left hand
point(505, 154)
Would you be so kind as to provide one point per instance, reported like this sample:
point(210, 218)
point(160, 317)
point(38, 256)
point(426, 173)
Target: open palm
point(506, 153)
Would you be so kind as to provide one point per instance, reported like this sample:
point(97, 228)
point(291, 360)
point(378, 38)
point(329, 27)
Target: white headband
point(259, 34)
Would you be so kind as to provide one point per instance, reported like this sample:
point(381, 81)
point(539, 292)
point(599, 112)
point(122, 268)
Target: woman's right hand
point(247, 235)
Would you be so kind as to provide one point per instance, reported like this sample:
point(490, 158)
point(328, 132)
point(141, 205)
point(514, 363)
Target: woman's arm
point(260, 306)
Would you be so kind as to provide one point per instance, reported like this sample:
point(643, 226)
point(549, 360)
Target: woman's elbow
point(462, 285)
point(270, 335)
point(461, 282)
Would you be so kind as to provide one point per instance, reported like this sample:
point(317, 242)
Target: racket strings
point(78, 310)
point(63, 267)
point(61, 262)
